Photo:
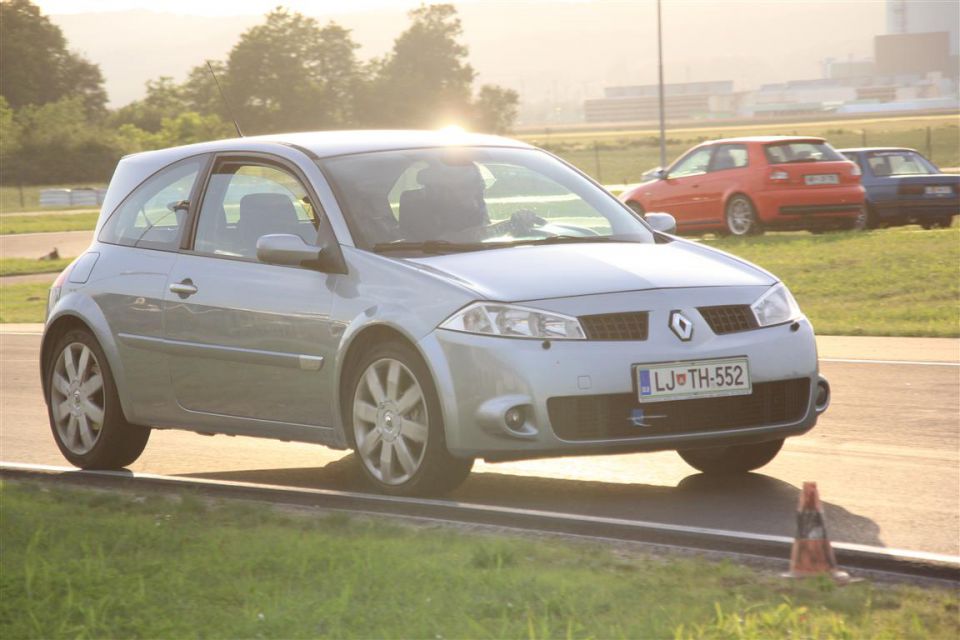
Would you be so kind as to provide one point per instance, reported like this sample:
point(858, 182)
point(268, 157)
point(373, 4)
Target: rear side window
point(800, 151)
point(729, 156)
point(154, 214)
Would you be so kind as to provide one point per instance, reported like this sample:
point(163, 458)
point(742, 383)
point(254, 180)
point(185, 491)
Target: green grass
point(23, 302)
point(23, 266)
point(893, 282)
point(617, 157)
point(11, 201)
point(84, 564)
point(48, 222)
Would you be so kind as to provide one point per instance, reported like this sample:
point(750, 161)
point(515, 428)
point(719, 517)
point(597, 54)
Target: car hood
point(555, 271)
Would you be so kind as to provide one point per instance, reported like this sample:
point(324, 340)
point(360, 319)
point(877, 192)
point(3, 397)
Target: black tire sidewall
point(732, 459)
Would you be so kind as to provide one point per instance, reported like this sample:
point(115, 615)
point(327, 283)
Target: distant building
point(687, 100)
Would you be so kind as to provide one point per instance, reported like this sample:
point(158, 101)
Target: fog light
point(822, 399)
point(514, 418)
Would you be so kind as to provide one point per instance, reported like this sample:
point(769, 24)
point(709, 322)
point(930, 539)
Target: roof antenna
point(224, 98)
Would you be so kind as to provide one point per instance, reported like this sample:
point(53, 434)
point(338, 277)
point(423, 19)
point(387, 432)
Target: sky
point(224, 7)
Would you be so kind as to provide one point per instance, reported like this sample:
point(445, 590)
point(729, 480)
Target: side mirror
point(286, 249)
point(662, 222)
point(654, 174)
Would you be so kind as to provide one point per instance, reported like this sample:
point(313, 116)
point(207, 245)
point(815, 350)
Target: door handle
point(184, 288)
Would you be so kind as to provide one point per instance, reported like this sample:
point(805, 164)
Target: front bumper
point(480, 377)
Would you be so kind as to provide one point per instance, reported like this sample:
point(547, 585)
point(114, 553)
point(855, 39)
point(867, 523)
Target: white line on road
point(549, 515)
point(924, 363)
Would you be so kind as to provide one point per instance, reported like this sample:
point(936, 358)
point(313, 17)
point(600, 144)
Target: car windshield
point(800, 151)
point(470, 198)
point(899, 163)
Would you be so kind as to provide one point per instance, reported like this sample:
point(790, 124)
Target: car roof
point(325, 144)
point(862, 149)
point(765, 139)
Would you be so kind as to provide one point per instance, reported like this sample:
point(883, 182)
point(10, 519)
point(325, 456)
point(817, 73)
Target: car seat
point(262, 214)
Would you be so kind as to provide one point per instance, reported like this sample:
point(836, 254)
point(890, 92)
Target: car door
point(250, 341)
point(679, 192)
point(728, 170)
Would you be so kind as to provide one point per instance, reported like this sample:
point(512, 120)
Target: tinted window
point(244, 201)
point(729, 156)
point(898, 163)
point(152, 216)
point(693, 163)
point(802, 151)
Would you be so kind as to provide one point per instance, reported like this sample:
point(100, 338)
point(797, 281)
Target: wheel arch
point(359, 342)
point(82, 314)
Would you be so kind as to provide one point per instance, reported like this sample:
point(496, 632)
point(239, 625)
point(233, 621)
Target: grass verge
point(24, 266)
point(47, 223)
point(25, 302)
point(892, 282)
point(84, 564)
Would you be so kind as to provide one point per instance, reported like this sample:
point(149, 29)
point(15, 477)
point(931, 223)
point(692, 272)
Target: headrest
point(466, 175)
point(277, 204)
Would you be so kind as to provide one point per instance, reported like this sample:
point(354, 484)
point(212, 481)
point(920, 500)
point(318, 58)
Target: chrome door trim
point(300, 361)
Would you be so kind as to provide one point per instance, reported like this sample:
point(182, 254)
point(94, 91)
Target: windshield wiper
point(434, 246)
point(568, 239)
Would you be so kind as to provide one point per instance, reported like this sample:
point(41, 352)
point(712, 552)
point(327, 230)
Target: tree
point(35, 65)
point(425, 80)
point(291, 74)
point(57, 144)
point(495, 109)
point(164, 99)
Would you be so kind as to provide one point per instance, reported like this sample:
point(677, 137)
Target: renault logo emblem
point(681, 326)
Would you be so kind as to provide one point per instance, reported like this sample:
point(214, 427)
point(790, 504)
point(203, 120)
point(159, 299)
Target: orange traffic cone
point(812, 554)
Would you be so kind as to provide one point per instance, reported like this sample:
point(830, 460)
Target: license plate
point(822, 178)
point(938, 191)
point(695, 379)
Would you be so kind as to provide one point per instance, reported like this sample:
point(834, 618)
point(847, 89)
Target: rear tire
point(732, 459)
point(393, 412)
point(740, 217)
point(86, 418)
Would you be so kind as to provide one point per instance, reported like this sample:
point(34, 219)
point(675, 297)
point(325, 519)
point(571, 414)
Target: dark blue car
point(903, 187)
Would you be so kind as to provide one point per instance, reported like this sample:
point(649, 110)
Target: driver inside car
point(450, 206)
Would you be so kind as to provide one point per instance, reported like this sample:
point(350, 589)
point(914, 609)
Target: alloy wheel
point(77, 399)
point(390, 421)
point(740, 217)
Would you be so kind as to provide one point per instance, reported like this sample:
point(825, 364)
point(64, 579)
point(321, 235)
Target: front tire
point(731, 459)
point(637, 208)
point(393, 412)
point(84, 409)
point(741, 217)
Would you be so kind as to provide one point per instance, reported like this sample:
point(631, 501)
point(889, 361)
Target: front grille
point(615, 326)
point(605, 417)
point(729, 318)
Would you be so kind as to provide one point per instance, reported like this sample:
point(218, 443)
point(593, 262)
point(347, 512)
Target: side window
point(693, 163)
point(153, 215)
point(729, 156)
point(246, 200)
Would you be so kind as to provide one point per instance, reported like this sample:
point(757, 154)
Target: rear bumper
point(809, 206)
point(916, 209)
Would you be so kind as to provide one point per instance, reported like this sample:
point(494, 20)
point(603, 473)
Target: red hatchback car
point(742, 186)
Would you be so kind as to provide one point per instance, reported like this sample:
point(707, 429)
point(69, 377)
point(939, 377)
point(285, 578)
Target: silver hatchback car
point(424, 298)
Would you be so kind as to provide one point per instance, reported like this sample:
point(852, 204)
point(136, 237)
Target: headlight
point(776, 306)
point(511, 321)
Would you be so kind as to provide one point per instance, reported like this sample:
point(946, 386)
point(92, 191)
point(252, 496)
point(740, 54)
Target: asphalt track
point(886, 456)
